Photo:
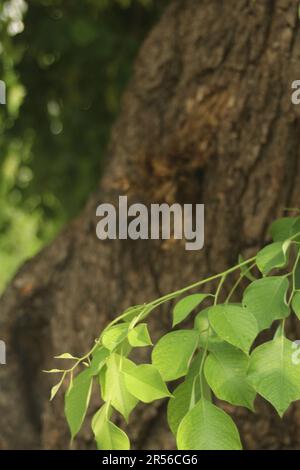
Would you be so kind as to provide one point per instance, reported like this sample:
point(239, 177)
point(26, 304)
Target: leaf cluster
point(217, 357)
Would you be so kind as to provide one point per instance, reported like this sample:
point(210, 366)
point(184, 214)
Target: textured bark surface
point(207, 118)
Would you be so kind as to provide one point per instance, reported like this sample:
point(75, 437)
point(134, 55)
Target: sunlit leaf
point(186, 305)
point(108, 436)
point(115, 335)
point(139, 336)
point(173, 353)
point(274, 374)
point(207, 427)
point(66, 356)
point(77, 400)
point(55, 389)
point(98, 360)
point(113, 385)
point(145, 383)
point(234, 324)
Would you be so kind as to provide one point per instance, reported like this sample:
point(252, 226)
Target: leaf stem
point(237, 283)
point(223, 278)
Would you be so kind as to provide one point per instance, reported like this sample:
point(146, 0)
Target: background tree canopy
point(65, 64)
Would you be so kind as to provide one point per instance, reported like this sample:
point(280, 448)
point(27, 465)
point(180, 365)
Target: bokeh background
point(65, 64)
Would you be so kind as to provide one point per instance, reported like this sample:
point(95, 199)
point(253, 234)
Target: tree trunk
point(206, 118)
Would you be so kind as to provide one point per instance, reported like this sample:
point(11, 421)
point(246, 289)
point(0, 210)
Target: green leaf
point(66, 356)
point(185, 306)
point(273, 373)
point(115, 335)
point(297, 275)
point(113, 385)
point(207, 427)
point(201, 322)
point(98, 360)
point(108, 436)
point(139, 336)
point(77, 401)
point(225, 370)
point(132, 312)
point(296, 230)
point(180, 404)
point(145, 383)
point(143, 313)
point(266, 300)
point(55, 389)
point(186, 395)
point(203, 326)
point(296, 304)
point(124, 348)
point(234, 324)
point(281, 229)
point(272, 256)
point(245, 270)
point(173, 353)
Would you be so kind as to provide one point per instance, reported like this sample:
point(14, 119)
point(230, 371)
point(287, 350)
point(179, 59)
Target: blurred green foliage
point(65, 64)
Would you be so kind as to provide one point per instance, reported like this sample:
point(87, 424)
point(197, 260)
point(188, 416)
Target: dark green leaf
point(273, 256)
point(234, 324)
point(226, 373)
point(274, 374)
point(266, 300)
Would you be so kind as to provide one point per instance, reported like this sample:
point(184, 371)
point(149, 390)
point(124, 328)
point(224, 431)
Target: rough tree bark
point(207, 118)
